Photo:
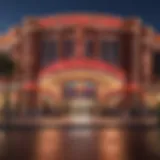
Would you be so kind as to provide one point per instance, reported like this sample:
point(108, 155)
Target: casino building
point(83, 61)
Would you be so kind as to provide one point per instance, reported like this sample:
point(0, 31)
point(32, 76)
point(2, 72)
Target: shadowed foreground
point(80, 144)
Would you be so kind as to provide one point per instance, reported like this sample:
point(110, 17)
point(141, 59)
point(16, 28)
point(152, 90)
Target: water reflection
point(2, 145)
point(112, 145)
point(19, 145)
point(80, 144)
point(153, 142)
point(48, 145)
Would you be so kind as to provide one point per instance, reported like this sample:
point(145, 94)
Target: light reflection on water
point(80, 144)
point(48, 144)
point(153, 141)
point(112, 145)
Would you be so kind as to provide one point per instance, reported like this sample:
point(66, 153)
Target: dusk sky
point(13, 11)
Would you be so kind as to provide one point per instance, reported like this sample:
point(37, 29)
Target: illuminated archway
point(106, 77)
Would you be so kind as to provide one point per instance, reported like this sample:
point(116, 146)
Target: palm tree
point(6, 71)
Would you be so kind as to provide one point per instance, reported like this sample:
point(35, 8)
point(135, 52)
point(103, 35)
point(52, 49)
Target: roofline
point(62, 14)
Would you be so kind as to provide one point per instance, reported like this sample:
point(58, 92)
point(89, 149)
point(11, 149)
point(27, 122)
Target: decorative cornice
point(82, 19)
point(31, 25)
point(132, 25)
point(148, 31)
point(147, 35)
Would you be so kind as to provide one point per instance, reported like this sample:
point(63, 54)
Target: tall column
point(17, 75)
point(31, 62)
point(59, 37)
point(146, 56)
point(130, 61)
point(96, 39)
point(80, 45)
point(16, 53)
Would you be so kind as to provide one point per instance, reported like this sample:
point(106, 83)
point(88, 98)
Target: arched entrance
point(80, 97)
point(81, 86)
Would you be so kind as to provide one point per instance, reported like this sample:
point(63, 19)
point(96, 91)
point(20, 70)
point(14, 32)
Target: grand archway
point(78, 84)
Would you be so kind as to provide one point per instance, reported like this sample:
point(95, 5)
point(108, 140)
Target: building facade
point(93, 60)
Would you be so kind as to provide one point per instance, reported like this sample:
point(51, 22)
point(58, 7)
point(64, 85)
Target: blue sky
point(13, 11)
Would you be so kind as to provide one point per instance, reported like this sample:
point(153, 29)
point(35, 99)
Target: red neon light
point(81, 19)
point(83, 64)
point(126, 89)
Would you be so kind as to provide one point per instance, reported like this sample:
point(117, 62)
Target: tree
point(6, 65)
point(6, 71)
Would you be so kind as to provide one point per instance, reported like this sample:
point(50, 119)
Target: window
point(115, 52)
point(68, 44)
point(51, 50)
point(89, 48)
point(68, 48)
point(110, 51)
point(104, 50)
point(48, 51)
point(91, 38)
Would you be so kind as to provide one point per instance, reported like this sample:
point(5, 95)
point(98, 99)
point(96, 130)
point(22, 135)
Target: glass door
point(81, 97)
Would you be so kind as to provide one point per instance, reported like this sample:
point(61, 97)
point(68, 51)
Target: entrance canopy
point(87, 64)
point(106, 77)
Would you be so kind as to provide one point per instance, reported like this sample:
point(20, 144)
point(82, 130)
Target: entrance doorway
point(81, 106)
point(81, 97)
